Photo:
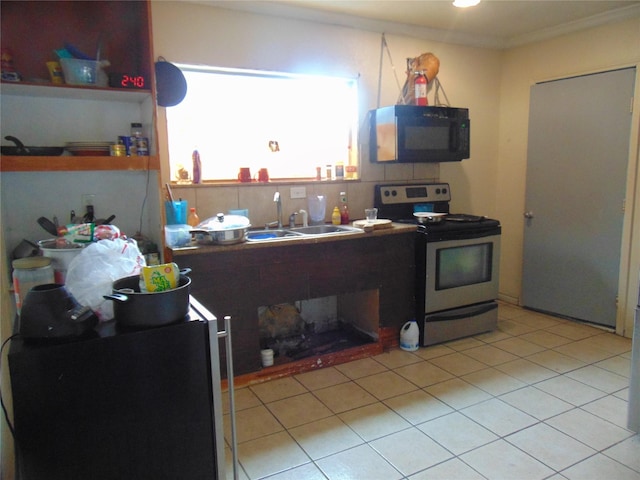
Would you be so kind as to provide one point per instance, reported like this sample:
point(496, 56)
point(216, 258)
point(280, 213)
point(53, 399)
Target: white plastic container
point(84, 72)
point(61, 256)
point(177, 235)
point(317, 209)
point(267, 357)
point(410, 336)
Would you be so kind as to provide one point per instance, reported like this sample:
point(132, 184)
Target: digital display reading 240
point(124, 80)
point(131, 81)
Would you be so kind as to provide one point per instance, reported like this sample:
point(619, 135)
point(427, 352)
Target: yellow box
point(158, 278)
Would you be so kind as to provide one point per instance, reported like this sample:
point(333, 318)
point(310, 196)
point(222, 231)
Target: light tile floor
point(541, 397)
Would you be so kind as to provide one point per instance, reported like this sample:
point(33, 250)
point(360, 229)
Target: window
point(289, 124)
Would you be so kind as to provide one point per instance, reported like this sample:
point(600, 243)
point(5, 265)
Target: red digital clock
point(126, 80)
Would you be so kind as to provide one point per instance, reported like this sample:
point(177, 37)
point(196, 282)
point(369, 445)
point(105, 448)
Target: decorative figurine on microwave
point(421, 71)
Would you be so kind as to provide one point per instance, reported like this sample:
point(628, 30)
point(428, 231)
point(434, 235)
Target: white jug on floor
point(410, 336)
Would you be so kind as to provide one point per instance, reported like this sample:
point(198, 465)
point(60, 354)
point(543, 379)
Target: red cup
point(263, 175)
point(244, 175)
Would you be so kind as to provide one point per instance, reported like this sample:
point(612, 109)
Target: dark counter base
point(236, 281)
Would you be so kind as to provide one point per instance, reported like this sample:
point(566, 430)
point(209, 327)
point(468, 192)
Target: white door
point(579, 131)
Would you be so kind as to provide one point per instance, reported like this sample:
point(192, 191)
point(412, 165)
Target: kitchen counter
point(174, 254)
point(374, 272)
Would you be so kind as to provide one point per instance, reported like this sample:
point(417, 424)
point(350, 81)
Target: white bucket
point(410, 336)
point(61, 256)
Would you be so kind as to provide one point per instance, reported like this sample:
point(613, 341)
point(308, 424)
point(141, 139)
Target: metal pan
point(222, 229)
point(429, 217)
point(21, 150)
point(171, 85)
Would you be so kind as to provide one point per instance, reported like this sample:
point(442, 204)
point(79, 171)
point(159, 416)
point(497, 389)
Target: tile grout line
point(486, 366)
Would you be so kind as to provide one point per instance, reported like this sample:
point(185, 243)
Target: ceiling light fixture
point(465, 3)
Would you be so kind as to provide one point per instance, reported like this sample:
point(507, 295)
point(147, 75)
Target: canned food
point(118, 150)
point(142, 146)
point(29, 272)
point(129, 144)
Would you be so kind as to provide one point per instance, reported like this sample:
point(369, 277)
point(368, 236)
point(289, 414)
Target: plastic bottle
point(335, 216)
point(410, 336)
point(197, 167)
point(344, 209)
point(193, 219)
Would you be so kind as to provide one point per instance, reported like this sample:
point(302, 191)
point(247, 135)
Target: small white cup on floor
point(267, 357)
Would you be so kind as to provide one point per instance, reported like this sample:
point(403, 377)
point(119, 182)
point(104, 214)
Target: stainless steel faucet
point(278, 200)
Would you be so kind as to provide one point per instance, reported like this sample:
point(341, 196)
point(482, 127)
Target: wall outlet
point(298, 192)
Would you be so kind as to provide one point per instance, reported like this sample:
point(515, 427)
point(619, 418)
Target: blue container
point(176, 212)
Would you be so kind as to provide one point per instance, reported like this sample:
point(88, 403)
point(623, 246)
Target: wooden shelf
point(49, 90)
point(75, 163)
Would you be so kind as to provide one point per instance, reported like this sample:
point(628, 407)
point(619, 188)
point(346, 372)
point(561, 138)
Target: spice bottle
point(193, 219)
point(344, 209)
point(136, 130)
point(335, 216)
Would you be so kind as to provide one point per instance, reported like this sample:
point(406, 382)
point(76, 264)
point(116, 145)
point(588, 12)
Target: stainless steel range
point(457, 261)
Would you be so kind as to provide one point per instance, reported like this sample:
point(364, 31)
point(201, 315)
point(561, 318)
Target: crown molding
point(425, 33)
point(611, 16)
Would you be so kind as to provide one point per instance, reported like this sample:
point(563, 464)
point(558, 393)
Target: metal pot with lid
point(222, 229)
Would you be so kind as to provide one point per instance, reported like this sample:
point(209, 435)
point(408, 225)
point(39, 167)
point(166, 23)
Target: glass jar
point(136, 130)
point(29, 272)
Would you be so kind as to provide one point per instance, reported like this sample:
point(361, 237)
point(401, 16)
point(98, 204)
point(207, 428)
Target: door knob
point(528, 214)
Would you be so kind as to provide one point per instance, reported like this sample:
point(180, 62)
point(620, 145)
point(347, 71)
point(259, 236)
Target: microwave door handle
point(454, 140)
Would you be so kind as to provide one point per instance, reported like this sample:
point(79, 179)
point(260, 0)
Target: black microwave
point(418, 134)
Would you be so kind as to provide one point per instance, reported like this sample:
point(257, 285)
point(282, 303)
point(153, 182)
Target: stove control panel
point(413, 193)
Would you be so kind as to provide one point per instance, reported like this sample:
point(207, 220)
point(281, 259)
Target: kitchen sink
point(271, 235)
point(267, 235)
point(325, 229)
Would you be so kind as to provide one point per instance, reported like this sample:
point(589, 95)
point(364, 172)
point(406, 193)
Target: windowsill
point(285, 181)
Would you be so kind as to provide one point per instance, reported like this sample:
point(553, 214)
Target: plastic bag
point(92, 273)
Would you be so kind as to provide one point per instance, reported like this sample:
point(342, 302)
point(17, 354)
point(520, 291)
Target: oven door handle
point(467, 312)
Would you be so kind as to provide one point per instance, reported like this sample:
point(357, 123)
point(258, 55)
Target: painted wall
point(494, 85)
point(200, 34)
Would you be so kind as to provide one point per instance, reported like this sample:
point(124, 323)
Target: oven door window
point(464, 265)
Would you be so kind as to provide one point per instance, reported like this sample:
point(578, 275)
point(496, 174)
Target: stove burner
point(463, 217)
